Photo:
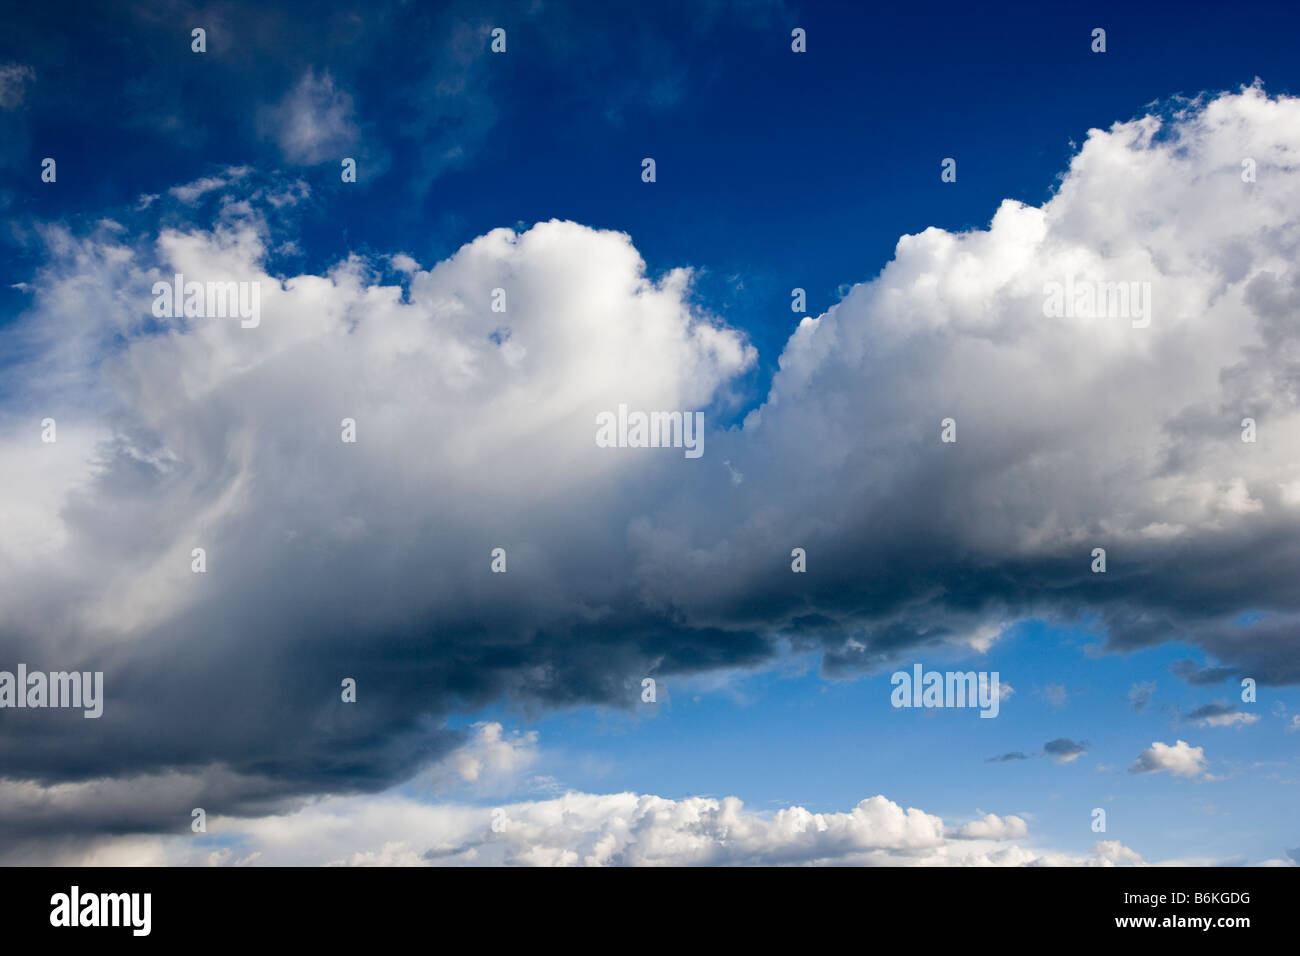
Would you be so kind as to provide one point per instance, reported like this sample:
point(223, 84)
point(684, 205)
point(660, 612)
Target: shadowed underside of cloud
point(1064, 750)
point(475, 430)
point(1220, 714)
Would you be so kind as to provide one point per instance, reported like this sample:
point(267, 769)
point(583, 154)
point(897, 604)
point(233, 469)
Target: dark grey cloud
point(1007, 757)
point(1211, 710)
point(1198, 676)
point(1063, 748)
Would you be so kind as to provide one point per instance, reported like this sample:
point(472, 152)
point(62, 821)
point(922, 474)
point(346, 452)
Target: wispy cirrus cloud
point(14, 79)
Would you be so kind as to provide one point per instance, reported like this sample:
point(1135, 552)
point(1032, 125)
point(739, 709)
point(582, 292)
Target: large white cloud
point(475, 430)
point(468, 419)
point(1073, 433)
point(584, 829)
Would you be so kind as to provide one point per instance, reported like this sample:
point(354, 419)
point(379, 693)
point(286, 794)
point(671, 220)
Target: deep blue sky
point(775, 170)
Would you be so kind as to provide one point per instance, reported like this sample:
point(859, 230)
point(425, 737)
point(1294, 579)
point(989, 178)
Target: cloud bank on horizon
point(475, 429)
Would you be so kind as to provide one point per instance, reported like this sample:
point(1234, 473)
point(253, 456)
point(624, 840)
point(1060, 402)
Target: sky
point(497, 276)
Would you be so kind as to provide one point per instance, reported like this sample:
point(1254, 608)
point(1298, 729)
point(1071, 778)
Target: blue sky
point(779, 740)
point(775, 170)
point(843, 144)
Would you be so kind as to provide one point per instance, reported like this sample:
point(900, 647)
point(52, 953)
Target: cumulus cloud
point(583, 829)
point(993, 827)
point(490, 760)
point(1180, 759)
point(469, 439)
point(1072, 433)
point(475, 431)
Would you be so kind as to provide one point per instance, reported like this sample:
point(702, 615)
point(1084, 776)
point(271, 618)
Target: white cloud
point(476, 430)
point(1072, 433)
point(992, 827)
point(1237, 718)
point(582, 829)
point(314, 122)
point(190, 193)
point(985, 636)
point(491, 760)
point(1181, 760)
point(587, 330)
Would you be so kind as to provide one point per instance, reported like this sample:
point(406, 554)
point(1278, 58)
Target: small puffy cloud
point(983, 637)
point(1064, 750)
point(993, 827)
point(1181, 759)
point(1219, 714)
